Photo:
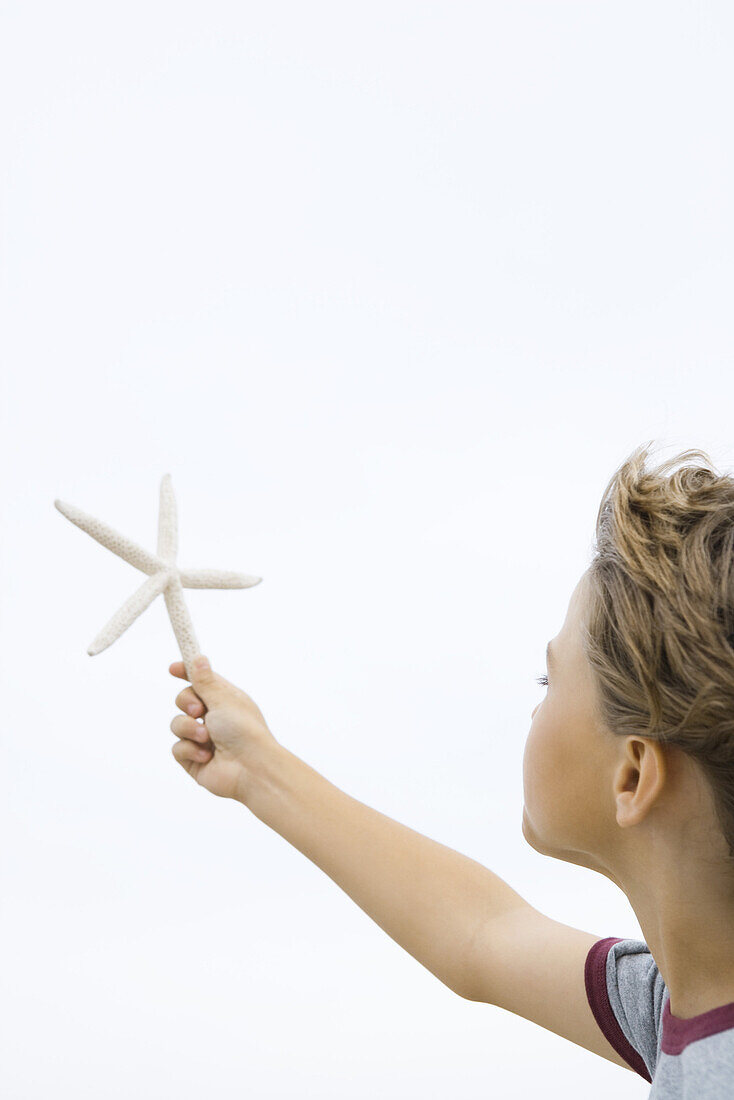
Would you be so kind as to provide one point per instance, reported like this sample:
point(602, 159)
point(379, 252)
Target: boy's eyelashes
point(542, 680)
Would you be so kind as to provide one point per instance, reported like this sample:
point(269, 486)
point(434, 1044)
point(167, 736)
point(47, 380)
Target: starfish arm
point(167, 521)
point(129, 611)
point(183, 628)
point(216, 578)
point(113, 540)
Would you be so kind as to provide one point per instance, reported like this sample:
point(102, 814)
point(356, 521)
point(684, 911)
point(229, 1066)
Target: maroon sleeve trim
point(595, 977)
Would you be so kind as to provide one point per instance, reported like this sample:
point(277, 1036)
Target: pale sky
point(390, 290)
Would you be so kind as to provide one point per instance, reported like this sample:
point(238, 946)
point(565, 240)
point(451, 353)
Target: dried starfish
point(163, 575)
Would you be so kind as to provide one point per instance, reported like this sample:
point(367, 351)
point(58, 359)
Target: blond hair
point(659, 630)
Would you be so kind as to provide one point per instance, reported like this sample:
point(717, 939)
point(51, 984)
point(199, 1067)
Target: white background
point(390, 289)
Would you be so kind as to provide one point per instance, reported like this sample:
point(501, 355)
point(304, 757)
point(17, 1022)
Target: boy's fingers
point(188, 729)
point(187, 750)
point(177, 668)
point(187, 699)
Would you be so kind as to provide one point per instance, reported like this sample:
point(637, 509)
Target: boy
point(628, 770)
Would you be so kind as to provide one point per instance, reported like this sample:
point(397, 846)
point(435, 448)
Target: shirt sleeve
point(625, 991)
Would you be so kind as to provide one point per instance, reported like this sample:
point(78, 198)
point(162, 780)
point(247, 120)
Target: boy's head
point(629, 762)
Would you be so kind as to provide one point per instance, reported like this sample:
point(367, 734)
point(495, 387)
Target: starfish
point(163, 573)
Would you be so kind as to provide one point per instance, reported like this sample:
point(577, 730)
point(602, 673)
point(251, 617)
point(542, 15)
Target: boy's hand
point(233, 739)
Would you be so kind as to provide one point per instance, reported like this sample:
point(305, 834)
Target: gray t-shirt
point(683, 1059)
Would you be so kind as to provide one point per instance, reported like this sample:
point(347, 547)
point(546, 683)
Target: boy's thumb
point(201, 672)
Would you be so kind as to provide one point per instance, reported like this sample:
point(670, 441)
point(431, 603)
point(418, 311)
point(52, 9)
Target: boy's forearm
point(429, 898)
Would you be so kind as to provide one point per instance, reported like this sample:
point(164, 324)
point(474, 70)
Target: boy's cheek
point(529, 770)
point(539, 778)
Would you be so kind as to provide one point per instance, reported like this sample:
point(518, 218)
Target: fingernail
point(201, 663)
point(193, 708)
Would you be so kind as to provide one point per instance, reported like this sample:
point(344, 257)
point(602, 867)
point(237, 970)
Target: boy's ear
point(639, 780)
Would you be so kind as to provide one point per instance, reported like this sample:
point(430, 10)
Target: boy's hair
point(659, 634)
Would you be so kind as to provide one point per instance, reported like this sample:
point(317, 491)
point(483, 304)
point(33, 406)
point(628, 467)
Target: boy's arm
point(430, 899)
